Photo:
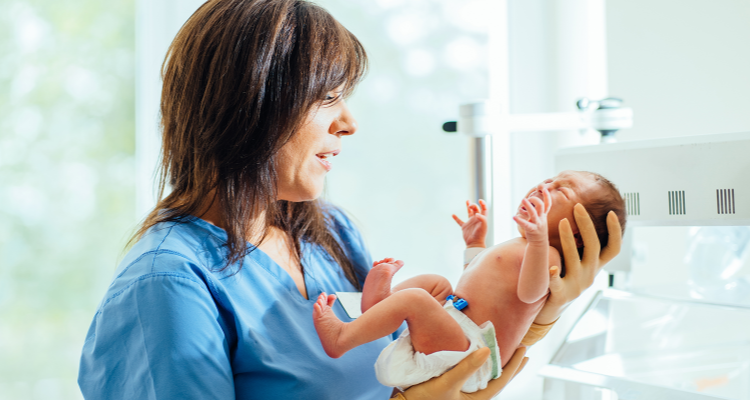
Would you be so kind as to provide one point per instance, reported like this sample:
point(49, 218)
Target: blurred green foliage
point(67, 138)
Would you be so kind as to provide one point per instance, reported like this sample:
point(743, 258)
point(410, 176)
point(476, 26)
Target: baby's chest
point(504, 260)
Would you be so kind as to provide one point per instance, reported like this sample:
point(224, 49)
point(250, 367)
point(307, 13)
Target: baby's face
point(566, 189)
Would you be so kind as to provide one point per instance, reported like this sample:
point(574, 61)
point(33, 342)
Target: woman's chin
point(301, 195)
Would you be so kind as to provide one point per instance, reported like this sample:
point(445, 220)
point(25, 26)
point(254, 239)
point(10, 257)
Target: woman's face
point(302, 163)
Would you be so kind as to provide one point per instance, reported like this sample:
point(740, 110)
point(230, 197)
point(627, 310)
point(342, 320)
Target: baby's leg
point(436, 285)
point(378, 283)
point(431, 328)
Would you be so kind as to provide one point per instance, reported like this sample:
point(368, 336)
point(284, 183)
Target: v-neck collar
point(262, 260)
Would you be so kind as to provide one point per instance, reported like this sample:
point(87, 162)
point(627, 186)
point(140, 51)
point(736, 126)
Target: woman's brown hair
point(239, 79)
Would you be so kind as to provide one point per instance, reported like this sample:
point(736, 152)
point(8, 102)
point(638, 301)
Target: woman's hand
point(448, 386)
point(579, 273)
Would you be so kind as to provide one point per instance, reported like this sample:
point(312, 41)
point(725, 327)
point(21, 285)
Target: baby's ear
point(579, 240)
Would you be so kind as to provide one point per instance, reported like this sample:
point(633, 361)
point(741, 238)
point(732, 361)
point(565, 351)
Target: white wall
point(684, 66)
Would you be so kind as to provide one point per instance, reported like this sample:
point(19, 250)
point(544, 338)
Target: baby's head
point(593, 191)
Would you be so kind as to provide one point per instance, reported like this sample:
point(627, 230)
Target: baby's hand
point(535, 226)
point(475, 228)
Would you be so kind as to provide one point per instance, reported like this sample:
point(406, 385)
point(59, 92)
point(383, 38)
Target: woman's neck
point(212, 213)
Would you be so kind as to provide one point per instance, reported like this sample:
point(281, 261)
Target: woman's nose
point(345, 124)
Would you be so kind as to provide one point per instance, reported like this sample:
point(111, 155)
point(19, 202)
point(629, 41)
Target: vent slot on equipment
point(725, 201)
point(633, 203)
point(677, 202)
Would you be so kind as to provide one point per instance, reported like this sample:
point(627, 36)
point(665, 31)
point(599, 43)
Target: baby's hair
point(608, 199)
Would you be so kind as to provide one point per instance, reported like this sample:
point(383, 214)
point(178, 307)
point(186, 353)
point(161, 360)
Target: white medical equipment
point(630, 346)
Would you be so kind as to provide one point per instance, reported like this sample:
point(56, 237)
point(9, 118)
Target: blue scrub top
point(171, 326)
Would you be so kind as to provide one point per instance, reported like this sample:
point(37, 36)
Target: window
point(66, 181)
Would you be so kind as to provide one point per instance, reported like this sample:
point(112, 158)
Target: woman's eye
point(331, 97)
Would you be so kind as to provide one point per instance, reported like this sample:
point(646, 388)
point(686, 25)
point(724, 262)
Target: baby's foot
point(329, 327)
point(378, 283)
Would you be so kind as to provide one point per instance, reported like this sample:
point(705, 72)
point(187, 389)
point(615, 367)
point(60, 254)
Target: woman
point(214, 299)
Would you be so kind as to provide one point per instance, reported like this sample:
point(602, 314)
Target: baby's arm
point(475, 228)
point(533, 280)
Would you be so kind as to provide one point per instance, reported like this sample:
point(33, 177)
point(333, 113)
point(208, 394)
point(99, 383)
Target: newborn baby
point(497, 297)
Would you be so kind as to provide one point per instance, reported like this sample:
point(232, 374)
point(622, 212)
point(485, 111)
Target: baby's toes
point(387, 269)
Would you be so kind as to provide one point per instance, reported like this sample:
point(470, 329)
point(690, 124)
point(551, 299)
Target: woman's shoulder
point(337, 216)
point(339, 221)
point(347, 234)
point(187, 248)
point(342, 225)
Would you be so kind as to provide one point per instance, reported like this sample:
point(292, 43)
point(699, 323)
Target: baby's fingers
point(483, 206)
point(470, 208)
point(458, 220)
point(526, 225)
point(539, 205)
point(531, 210)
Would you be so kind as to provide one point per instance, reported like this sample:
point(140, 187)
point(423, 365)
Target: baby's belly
point(490, 286)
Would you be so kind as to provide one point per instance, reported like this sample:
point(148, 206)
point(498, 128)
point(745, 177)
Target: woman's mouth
point(324, 158)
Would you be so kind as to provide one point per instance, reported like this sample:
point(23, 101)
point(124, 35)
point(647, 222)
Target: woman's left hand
point(579, 273)
point(448, 386)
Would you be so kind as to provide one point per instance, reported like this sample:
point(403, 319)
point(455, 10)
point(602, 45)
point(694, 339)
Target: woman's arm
point(448, 386)
point(158, 338)
point(580, 272)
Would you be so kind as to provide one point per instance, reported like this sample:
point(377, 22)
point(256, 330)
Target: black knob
point(450, 126)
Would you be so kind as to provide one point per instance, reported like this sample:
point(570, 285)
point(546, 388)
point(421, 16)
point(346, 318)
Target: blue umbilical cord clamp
point(460, 304)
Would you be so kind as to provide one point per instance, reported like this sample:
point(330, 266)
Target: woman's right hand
point(580, 273)
point(448, 386)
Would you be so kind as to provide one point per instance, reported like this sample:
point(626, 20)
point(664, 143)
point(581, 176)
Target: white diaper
point(400, 366)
